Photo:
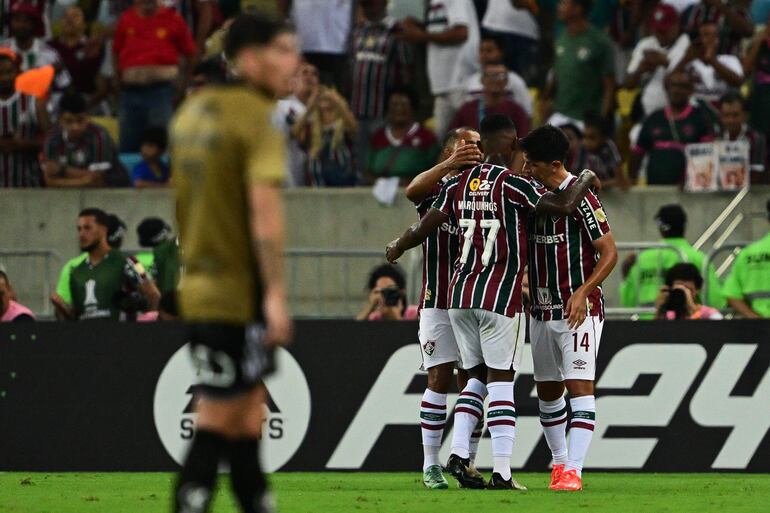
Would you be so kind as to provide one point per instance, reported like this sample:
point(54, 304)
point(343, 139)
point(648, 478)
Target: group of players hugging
point(484, 231)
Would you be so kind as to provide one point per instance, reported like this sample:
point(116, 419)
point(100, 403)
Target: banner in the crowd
point(714, 166)
point(683, 396)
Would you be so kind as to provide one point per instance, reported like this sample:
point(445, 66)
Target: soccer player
point(569, 258)
point(490, 204)
point(229, 164)
point(437, 341)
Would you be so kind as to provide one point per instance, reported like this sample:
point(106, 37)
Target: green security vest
point(166, 265)
point(749, 278)
point(63, 285)
point(93, 288)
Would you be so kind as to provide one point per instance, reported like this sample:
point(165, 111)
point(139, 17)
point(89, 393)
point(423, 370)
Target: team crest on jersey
point(600, 215)
point(429, 347)
point(544, 296)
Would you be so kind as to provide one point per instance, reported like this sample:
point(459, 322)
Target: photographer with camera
point(679, 297)
point(387, 297)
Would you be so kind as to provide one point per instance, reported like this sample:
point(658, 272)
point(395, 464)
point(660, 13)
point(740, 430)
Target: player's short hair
point(494, 39)
point(734, 97)
point(409, 92)
point(451, 137)
point(252, 30)
point(386, 271)
point(671, 220)
point(98, 214)
point(116, 231)
point(545, 144)
point(494, 124)
point(152, 231)
point(685, 272)
point(73, 103)
point(156, 135)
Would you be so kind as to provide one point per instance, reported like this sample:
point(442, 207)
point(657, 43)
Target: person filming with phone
point(387, 297)
point(679, 298)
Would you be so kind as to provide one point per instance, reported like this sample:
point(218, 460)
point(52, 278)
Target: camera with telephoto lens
point(390, 296)
point(677, 303)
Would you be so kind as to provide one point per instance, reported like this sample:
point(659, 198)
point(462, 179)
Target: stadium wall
point(320, 218)
point(672, 396)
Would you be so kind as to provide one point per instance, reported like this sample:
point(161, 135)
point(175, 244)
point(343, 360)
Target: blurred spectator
point(10, 310)
point(666, 131)
point(21, 134)
point(108, 284)
point(597, 142)
point(403, 147)
point(90, 71)
point(287, 112)
point(757, 62)
point(516, 27)
point(149, 44)
point(731, 17)
point(387, 297)
point(152, 171)
point(578, 158)
point(199, 15)
point(494, 100)
point(326, 131)
point(655, 56)
point(733, 115)
point(452, 37)
point(491, 52)
point(78, 153)
point(157, 234)
point(679, 298)
point(6, 12)
point(380, 62)
point(151, 232)
point(584, 70)
point(643, 274)
point(116, 232)
point(714, 74)
point(748, 286)
point(323, 28)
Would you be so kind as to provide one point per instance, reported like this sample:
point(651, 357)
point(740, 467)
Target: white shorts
point(489, 338)
point(559, 353)
point(437, 340)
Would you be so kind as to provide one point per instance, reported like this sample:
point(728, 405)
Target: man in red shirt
point(153, 49)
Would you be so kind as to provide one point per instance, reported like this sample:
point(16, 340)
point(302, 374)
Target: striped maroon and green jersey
point(562, 257)
point(491, 205)
point(439, 252)
point(18, 116)
point(379, 62)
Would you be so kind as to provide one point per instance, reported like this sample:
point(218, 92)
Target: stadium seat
point(110, 124)
point(625, 98)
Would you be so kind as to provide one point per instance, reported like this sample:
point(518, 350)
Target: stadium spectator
point(665, 132)
point(491, 52)
point(78, 153)
point(733, 115)
point(387, 296)
point(199, 15)
point(494, 100)
point(152, 171)
point(380, 62)
point(451, 34)
point(6, 12)
point(10, 310)
point(643, 274)
point(323, 29)
point(21, 135)
point(326, 131)
point(584, 69)
point(655, 56)
point(512, 22)
point(287, 112)
point(679, 298)
point(403, 147)
point(107, 284)
point(748, 286)
point(714, 74)
point(91, 71)
point(732, 18)
point(757, 63)
point(578, 158)
point(150, 43)
point(598, 142)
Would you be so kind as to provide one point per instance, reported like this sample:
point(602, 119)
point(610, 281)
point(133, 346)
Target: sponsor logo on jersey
point(549, 239)
point(580, 364)
point(449, 228)
point(600, 215)
point(479, 185)
point(486, 206)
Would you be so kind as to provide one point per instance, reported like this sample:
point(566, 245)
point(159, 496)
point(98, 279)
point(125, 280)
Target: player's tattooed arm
point(415, 234)
point(566, 202)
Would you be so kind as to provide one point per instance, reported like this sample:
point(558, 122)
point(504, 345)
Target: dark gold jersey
point(222, 142)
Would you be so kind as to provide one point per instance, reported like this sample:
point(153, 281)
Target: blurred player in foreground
point(490, 204)
point(228, 167)
point(438, 346)
point(569, 258)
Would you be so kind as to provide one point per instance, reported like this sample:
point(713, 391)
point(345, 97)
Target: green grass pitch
point(392, 492)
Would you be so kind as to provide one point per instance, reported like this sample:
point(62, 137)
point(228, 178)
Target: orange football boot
point(556, 474)
point(568, 482)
